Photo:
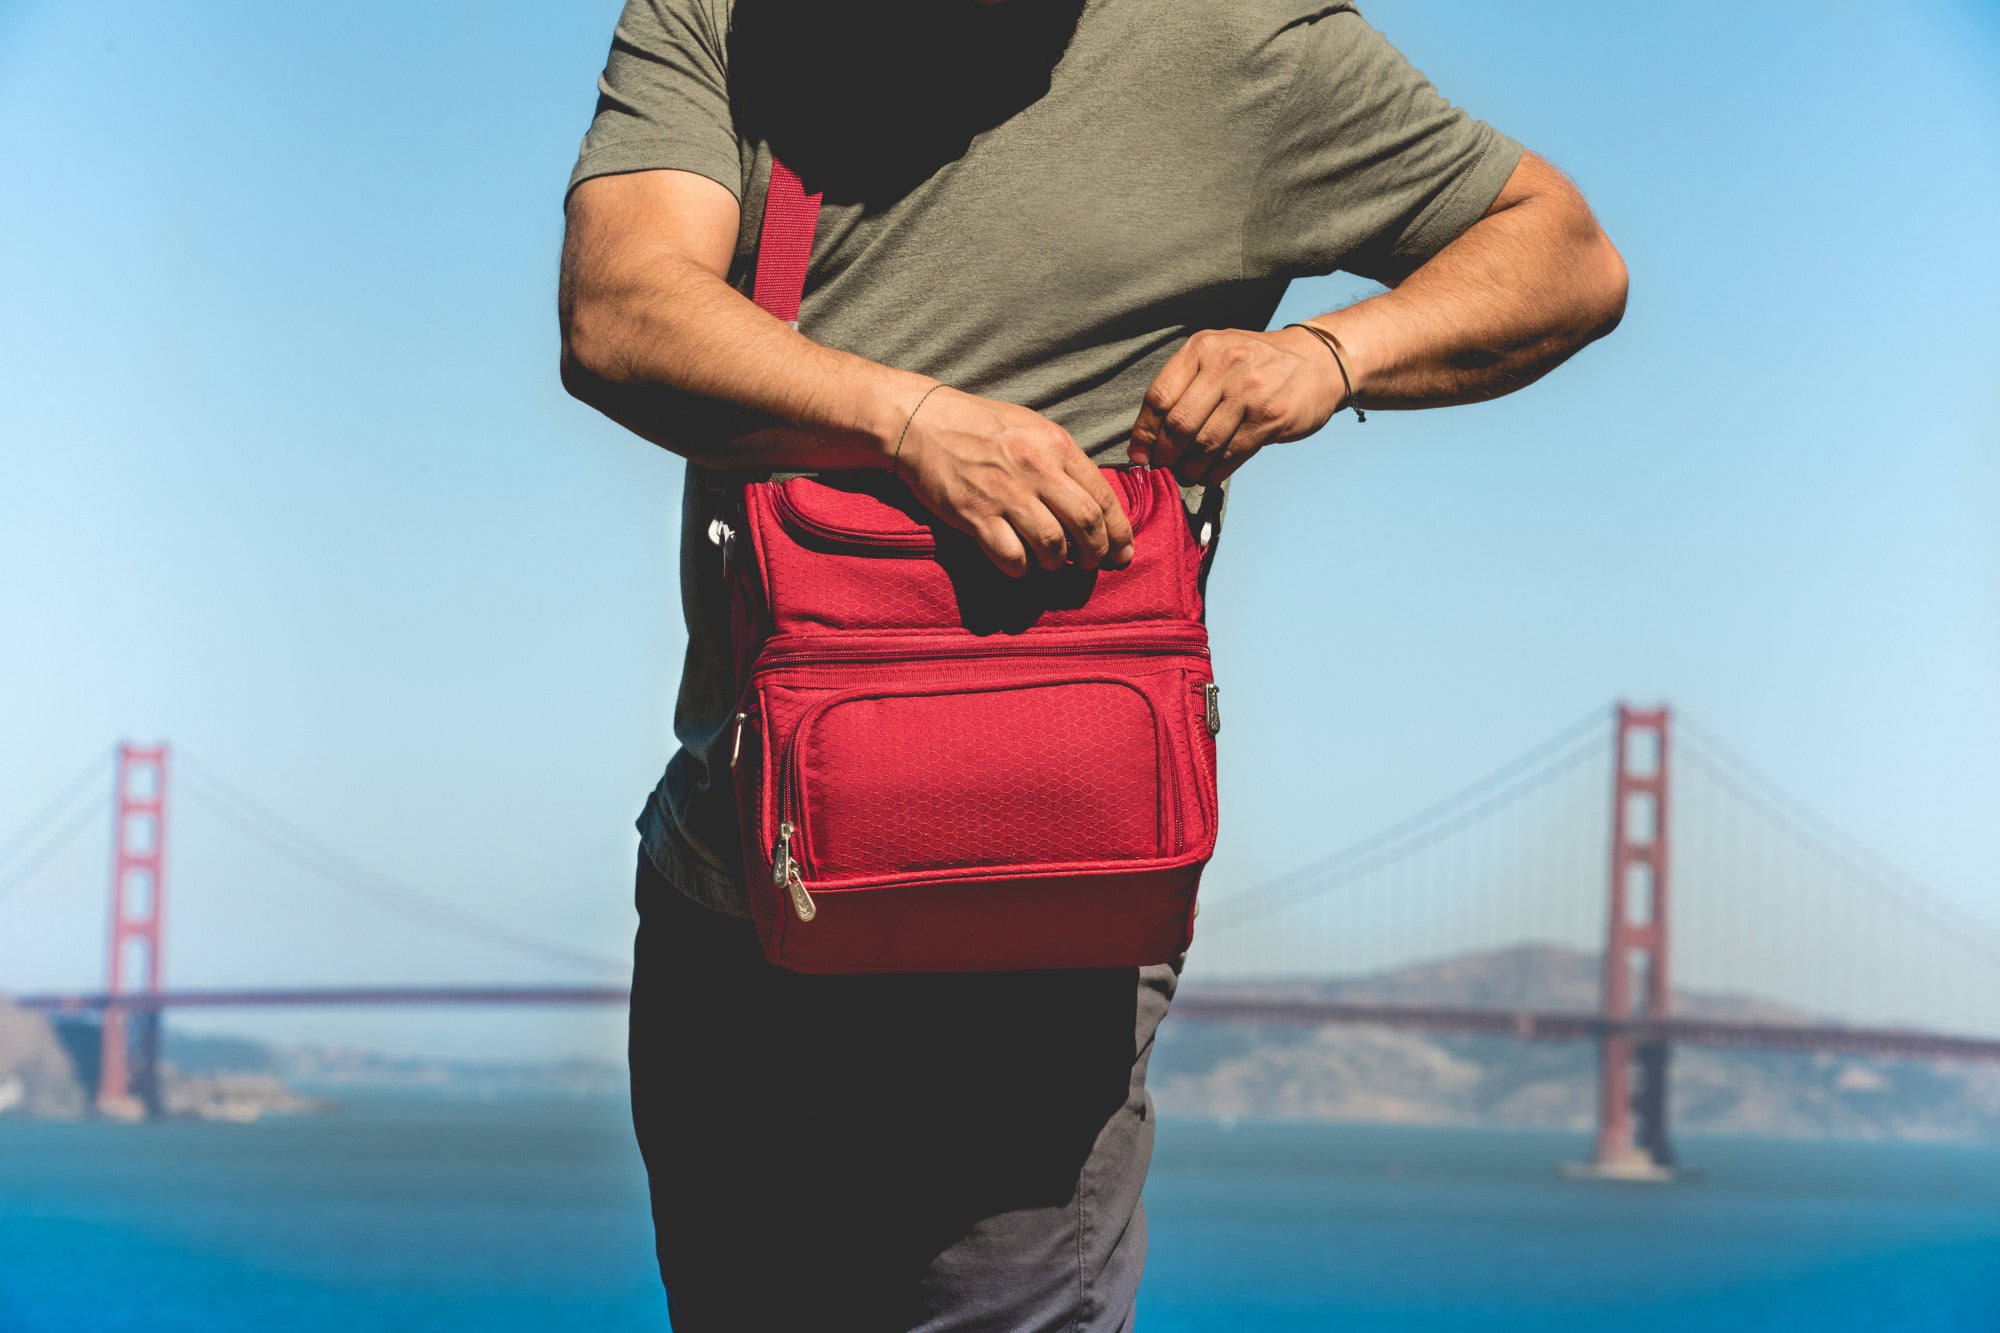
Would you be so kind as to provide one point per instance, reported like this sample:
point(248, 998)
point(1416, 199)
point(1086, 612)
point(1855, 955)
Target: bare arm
point(1512, 298)
point(651, 331)
point(654, 337)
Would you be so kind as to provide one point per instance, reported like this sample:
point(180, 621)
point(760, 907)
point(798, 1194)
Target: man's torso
point(1037, 201)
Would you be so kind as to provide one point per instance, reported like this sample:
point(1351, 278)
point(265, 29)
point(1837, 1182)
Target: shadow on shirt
point(866, 100)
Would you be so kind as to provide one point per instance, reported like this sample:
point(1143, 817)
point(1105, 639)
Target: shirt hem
point(1465, 202)
point(682, 865)
point(656, 156)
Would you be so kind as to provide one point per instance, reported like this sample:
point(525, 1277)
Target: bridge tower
point(1632, 1076)
point(128, 1082)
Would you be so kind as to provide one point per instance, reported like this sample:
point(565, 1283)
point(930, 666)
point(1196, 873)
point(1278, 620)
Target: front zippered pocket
point(984, 770)
point(1035, 769)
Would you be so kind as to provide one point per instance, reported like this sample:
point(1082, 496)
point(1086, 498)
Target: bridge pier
point(128, 1077)
point(1649, 1102)
point(1632, 1140)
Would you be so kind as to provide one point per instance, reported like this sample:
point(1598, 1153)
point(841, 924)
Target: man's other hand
point(1229, 392)
point(1015, 481)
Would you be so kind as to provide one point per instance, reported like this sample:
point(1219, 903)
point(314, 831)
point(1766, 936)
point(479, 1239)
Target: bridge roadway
point(1195, 1004)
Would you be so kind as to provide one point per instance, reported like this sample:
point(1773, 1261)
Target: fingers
point(1017, 483)
point(1209, 440)
point(1240, 451)
point(1226, 394)
point(1003, 546)
point(1070, 514)
point(1043, 534)
point(1066, 523)
point(1115, 548)
point(1149, 446)
point(1182, 422)
point(1086, 536)
point(1195, 404)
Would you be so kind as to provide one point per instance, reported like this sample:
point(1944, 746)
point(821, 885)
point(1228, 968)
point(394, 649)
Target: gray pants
point(893, 1153)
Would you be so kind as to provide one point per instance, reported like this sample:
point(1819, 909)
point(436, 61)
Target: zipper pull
point(721, 535)
point(736, 747)
point(1211, 699)
point(785, 874)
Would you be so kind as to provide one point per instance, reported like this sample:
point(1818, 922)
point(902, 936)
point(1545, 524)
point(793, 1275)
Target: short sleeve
point(663, 100)
point(1369, 169)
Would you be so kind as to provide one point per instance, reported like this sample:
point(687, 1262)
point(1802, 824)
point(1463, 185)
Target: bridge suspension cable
point(28, 850)
point(230, 803)
point(1520, 777)
point(1758, 792)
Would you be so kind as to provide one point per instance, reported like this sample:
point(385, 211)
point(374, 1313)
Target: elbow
point(585, 361)
point(596, 365)
point(1608, 284)
point(577, 379)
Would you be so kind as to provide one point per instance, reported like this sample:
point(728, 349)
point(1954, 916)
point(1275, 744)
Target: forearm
point(656, 340)
point(1512, 298)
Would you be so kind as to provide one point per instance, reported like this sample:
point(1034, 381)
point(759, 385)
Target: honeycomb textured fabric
point(945, 769)
point(1083, 754)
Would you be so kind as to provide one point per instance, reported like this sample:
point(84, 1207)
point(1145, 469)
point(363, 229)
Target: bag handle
point(784, 243)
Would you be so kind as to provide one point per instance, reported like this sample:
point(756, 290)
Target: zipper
point(1192, 642)
point(723, 537)
point(1211, 707)
point(785, 874)
point(872, 541)
point(736, 746)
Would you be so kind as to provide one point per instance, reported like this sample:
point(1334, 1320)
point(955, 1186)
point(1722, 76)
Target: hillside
point(1379, 1074)
point(48, 1073)
point(37, 1076)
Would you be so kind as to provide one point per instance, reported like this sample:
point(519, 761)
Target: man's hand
point(1015, 481)
point(1229, 392)
point(1506, 302)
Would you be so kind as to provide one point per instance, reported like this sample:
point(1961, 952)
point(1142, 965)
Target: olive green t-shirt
point(1037, 201)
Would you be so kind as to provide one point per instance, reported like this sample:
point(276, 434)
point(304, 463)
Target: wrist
point(1349, 390)
point(1300, 341)
point(888, 412)
point(1365, 333)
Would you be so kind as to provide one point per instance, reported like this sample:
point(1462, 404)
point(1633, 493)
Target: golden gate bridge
point(1583, 839)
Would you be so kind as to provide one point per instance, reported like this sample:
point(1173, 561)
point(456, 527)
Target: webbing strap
point(784, 245)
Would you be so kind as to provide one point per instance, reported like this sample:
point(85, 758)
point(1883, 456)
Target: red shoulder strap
point(784, 245)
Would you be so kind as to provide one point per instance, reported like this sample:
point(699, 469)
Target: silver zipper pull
point(721, 535)
point(736, 747)
point(785, 874)
point(1211, 698)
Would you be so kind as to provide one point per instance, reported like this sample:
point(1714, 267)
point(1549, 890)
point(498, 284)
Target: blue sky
point(287, 479)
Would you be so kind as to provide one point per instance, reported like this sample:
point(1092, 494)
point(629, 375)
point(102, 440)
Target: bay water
point(439, 1211)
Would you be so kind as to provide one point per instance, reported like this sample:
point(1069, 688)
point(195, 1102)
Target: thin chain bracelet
point(895, 460)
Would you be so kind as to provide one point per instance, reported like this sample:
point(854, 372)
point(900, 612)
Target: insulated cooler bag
point(942, 769)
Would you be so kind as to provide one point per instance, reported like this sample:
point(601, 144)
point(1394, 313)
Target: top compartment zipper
point(813, 649)
point(916, 542)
